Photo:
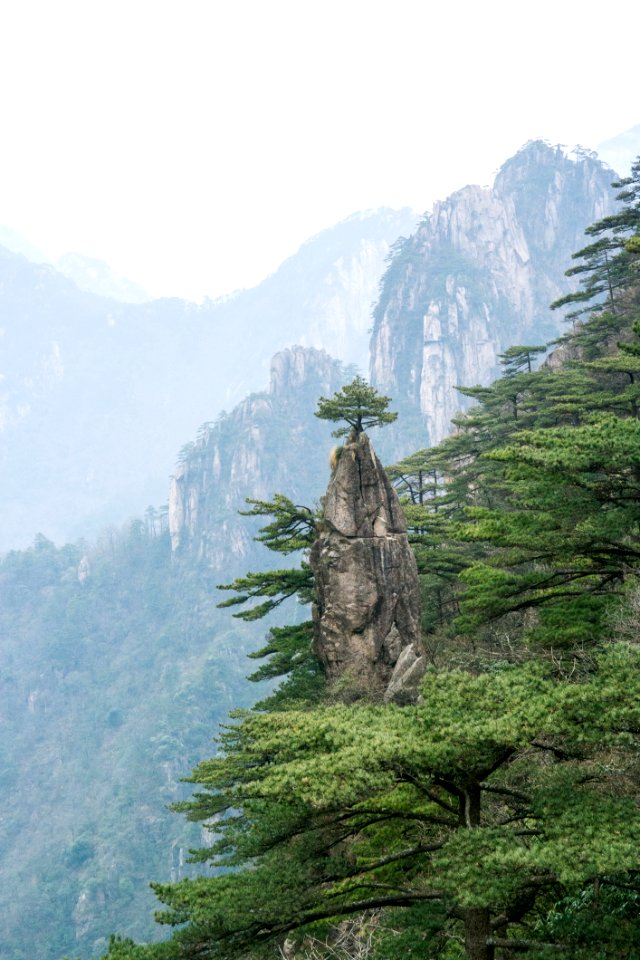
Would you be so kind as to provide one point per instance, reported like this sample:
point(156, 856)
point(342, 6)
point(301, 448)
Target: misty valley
point(319, 604)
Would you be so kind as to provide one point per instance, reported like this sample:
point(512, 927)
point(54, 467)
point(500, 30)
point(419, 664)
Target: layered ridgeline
point(477, 276)
point(117, 668)
point(269, 442)
point(96, 395)
point(496, 814)
point(78, 847)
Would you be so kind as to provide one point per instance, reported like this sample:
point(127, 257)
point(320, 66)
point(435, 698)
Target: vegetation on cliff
point(500, 813)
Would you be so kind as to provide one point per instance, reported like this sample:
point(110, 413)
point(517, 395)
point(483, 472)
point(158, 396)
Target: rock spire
point(368, 594)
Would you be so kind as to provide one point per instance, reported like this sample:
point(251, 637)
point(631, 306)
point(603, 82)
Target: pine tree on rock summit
point(359, 404)
point(498, 815)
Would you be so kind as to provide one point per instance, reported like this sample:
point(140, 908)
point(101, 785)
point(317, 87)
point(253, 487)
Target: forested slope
point(116, 669)
point(499, 814)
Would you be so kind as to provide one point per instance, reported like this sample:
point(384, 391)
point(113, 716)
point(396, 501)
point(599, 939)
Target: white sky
point(194, 144)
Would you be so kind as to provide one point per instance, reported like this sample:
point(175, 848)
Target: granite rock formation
point(269, 442)
point(476, 277)
point(368, 592)
point(105, 391)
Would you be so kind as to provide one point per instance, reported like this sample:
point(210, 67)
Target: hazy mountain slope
point(270, 443)
point(15, 241)
point(478, 276)
point(116, 670)
point(96, 396)
point(620, 151)
point(96, 276)
point(113, 683)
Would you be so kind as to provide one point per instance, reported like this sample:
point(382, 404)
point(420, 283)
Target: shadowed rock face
point(368, 594)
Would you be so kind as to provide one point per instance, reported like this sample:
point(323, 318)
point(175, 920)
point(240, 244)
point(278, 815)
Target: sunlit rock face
point(368, 595)
point(478, 276)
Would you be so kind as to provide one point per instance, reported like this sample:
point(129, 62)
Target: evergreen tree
point(516, 359)
point(289, 649)
point(360, 405)
point(605, 262)
point(499, 815)
point(469, 815)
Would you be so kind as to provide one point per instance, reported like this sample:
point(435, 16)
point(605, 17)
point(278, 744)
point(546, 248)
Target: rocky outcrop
point(269, 442)
point(478, 276)
point(123, 384)
point(368, 595)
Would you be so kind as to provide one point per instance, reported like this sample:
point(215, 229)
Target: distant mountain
point(270, 442)
point(113, 655)
point(476, 277)
point(96, 276)
point(620, 151)
point(116, 669)
point(17, 243)
point(89, 274)
point(97, 395)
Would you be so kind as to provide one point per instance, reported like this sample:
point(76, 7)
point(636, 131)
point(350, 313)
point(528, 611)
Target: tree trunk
point(477, 931)
point(477, 928)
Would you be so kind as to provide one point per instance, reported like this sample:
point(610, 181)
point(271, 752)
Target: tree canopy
point(359, 405)
point(499, 815)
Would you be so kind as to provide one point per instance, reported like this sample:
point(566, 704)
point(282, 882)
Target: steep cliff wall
point(97, 395)
point(477, 277)
point(271, 442)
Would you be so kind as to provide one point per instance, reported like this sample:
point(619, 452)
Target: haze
point(194, 146)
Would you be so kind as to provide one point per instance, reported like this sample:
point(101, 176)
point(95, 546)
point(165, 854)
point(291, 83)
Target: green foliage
point(360, 405)
point(531, 509)
point(604, 269)
point(600, 921)
point(501, 811)
point(288, 650)
point(276, 585)
point(293, 527)
point(493, 792)
point(517, 359)
point(127, 670)
point(291, 654)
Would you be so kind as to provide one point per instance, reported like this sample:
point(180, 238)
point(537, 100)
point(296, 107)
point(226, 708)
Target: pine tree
point(605, 262)
point(469, 815)
point(498, 816)
point(360, 405)
point(292, 529)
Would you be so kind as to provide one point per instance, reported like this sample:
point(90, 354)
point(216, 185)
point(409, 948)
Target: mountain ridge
point(105, 392)
point(477, 276)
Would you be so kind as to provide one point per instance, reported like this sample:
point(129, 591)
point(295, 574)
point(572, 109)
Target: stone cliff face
point(122, 384)
point(478, 276)
point(270, 442)
point(368, 593)
point(326, 303)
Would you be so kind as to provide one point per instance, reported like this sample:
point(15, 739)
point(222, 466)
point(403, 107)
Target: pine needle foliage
point(288, 650)
point(498, 816)
point(359, 405)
